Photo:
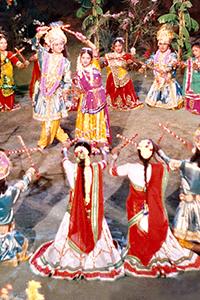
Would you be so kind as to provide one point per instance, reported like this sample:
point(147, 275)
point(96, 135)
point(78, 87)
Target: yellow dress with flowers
point(92, 121)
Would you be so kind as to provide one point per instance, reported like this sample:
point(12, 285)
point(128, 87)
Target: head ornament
point(55, 34)
point(165, 34)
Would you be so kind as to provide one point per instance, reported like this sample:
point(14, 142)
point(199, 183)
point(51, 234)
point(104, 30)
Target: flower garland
point(59, 73)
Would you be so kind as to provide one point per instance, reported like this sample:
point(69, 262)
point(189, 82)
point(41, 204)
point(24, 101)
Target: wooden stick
point(20, 151)
point(18, 51)
point(29, 155)
point(20, 55)
point(177, 137)
point(127, 141)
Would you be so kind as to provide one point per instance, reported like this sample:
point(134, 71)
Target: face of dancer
point(3, 44)
point(145, 148)
point(57, 47)
point(118, 47)
point(163, 47)
point(196, 51)
point(86, 59)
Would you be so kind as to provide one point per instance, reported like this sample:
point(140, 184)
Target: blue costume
point(187, 218)
point(13, 244)
point(165, 91)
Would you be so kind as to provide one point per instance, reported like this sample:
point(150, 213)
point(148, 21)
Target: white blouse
point(135, 173)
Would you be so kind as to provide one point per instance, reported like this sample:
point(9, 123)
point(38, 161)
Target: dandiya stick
point(18, 52)
point(176, 136)
point(126, 140)
point(29, 155)
point(82, 135)
point(20, 151)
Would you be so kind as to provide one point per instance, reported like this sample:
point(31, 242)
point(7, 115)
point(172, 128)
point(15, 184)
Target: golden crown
point(165, 33)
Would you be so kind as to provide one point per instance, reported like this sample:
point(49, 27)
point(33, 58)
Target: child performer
point(152, 250)
point(92, 117)
point(165, 91)
point(83, 246)
point(7, 85)
point(50, 99)
point(13, 245)
point(119, 86)
point(191, 83)
point(187, 218)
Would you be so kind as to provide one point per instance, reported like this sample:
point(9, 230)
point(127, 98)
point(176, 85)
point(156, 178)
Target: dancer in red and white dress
point(83, 246)
point(152, 249)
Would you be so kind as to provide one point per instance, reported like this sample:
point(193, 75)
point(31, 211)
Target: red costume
point(152, 250)
point(157, 218)
point(119, 87)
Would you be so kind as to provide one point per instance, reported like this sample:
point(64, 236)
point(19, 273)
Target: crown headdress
point(165, 34)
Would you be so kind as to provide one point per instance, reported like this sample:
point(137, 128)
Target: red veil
point(86, 220)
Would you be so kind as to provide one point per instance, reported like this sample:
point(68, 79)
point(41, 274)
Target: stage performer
point(191, 83)
point(165, 91)
point(152, 249)
point(186, 225)
point(119, 86)
point(13, 244)
point(83, 246)
point(50, 98)
point(92, 116)
point(7, 85)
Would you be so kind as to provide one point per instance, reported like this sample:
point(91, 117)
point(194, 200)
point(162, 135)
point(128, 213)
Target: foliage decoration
point(180, 18)
point(137, 23)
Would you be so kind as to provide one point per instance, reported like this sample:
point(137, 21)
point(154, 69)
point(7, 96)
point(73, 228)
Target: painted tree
point(180, 18)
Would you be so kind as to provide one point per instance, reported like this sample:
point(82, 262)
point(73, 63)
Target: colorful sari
point(191, 88)
point(7, 85)
point(120, 91)
point(92, 117)
point(83, 246)
point(152, 249)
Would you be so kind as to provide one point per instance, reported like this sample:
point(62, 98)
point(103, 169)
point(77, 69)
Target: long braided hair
point(145, 162)
point(81, 162)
